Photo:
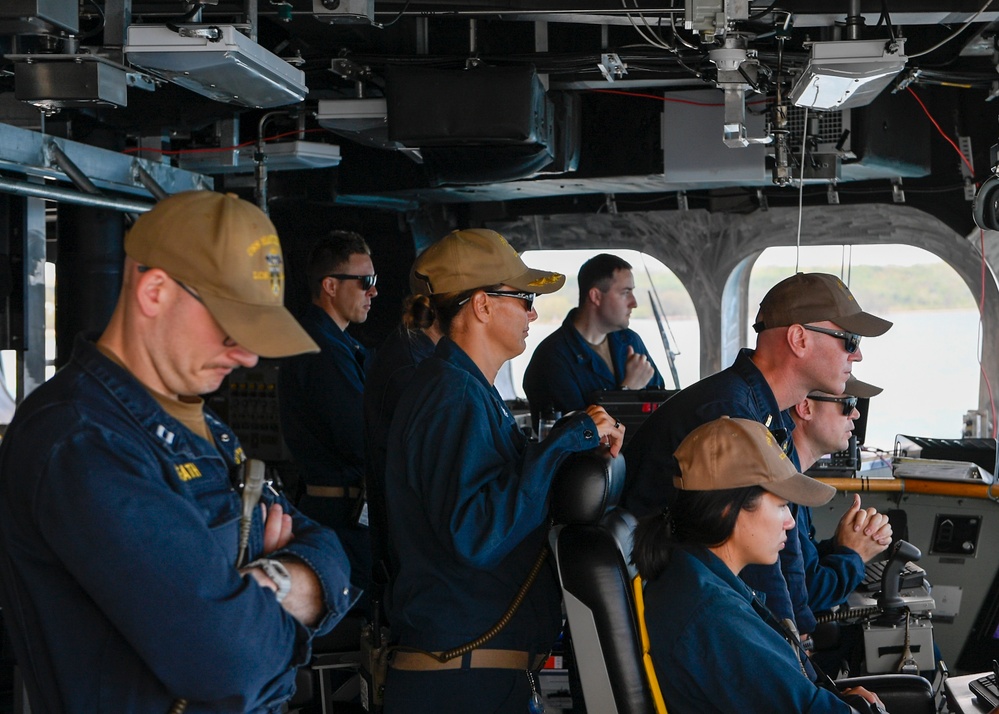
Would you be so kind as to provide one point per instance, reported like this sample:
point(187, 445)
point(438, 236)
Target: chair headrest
point(586, 486)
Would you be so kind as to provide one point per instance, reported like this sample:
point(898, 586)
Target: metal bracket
point(681, 201)
point(832, 195)
point(348, 69)
point(611, 66)
point(212, 33)
point(897, 194)
point(964, 144)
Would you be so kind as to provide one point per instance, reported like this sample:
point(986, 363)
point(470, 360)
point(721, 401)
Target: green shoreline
point(879, 289)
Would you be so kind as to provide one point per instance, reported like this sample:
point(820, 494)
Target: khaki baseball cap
point(813, 297)
point(476, 258)
point(228, 250)
point(735, 453)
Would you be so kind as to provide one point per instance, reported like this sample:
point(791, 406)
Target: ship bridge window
point(652, 278)
point(8, 358)
point(927, 362)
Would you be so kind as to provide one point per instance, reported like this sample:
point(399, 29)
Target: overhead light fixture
point(362, 120)
point(52, 82)
point(848, 73)
point(216, 61)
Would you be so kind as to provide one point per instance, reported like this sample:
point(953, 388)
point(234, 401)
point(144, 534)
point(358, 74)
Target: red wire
point(660, 97)
point(942, 133)
point(981, 299)
point(212, 150)
point(675, 100)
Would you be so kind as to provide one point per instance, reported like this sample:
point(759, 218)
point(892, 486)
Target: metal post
point(31, 360)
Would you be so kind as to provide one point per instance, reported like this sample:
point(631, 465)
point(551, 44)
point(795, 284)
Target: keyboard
point(986, 690)
point(911, 576)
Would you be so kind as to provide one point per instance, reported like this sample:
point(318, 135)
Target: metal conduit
point(65, 195)
point(72, 171)
point(146, 179)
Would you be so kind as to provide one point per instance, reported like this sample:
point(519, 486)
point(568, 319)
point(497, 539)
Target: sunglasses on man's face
point(849, 403)
point(851, 339)
point(367, 281)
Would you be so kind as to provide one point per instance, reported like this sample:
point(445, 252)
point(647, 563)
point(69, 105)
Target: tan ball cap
point(228, 250)
point(476, 258)
point(814, 297)
point(735, 453)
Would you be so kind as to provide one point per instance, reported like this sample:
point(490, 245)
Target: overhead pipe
point(147, 180)
point(65, 195)
point(55, 155)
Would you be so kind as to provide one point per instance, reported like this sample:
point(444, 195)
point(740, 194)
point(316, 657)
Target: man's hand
point(864, 530)
point(304, 601)
point(277, 528)
point(637, 370)
point(867, 696)
point(611, 431)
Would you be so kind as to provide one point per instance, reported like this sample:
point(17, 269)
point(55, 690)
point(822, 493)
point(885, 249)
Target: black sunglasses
point(851, 339)
point(526, 297)
point(367, 281)
point(849, 403)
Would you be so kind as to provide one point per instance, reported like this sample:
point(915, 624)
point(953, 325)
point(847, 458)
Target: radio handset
point(254, 473)
point(890, 602)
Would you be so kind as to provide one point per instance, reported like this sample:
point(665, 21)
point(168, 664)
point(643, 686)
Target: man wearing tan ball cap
point(125, 585)
point(809, 328)
point(835, 567)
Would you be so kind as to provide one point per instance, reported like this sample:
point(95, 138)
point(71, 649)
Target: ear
point(797, 340)
point(329, 286)
point(595, 296)
point(803, 409)
point(152, 289)
point(481, 307)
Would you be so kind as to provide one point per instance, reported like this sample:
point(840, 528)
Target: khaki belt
point(333, 491)
point(476, 659)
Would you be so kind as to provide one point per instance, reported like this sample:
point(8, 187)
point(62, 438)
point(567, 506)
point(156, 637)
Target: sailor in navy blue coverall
point(715, 646)
point(467, 493)
point(119, 503)
point(322, 395)
point(834, 567)
point(593, 349)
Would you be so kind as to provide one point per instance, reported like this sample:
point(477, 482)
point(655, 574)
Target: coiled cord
point(492, 631)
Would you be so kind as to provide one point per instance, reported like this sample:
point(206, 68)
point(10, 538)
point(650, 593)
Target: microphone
point(253, 487)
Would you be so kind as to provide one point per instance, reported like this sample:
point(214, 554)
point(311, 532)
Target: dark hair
point(447, 305)
point(330, 254)
point(598, 272)
point(418, 312)
point(696, 517)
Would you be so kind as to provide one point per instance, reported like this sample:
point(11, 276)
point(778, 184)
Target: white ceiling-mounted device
point(361, 12)
point(847, 73)
point(216, 61)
